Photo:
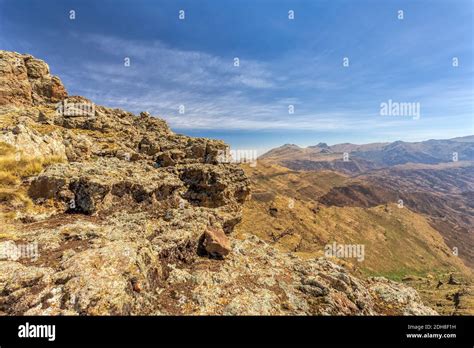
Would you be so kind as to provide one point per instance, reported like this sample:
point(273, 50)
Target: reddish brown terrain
point(410, 204)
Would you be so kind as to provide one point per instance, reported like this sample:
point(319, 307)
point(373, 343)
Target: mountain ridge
point(358, 149)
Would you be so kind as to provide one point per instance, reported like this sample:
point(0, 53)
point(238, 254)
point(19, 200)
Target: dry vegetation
point(399, 243)
point(15, 166)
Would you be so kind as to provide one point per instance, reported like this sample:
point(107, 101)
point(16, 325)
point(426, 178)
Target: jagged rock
point(216, 242)
point(111, 267)
point(25, 80)
point(78, 146)
point(104, 183)
point(405, 298)
point(313, 287)
point(215, 185)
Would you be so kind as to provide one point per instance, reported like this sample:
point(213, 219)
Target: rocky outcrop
point(135, 219)
point(105, 183)
point(33, 143)
point(117, 267)
point(25, 80)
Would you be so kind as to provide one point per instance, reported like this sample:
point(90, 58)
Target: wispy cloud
point(214, 93)
point(192, 68)
point(256, 95)
point(282, 63)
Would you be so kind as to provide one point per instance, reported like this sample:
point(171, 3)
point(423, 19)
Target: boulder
point(215, 242)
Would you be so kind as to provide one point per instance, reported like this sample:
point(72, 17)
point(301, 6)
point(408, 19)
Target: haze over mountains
point(372, 156)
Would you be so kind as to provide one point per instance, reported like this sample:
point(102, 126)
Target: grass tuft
point(15, 166)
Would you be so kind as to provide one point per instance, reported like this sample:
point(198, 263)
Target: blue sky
point(283, 62)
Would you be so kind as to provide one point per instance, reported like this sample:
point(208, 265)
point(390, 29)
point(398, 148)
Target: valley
point(414, 219)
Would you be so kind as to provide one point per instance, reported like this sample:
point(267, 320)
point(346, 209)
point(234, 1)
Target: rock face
point(25, 80)
point(135, 219)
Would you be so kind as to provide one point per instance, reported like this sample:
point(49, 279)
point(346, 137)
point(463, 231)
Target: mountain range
point(396, 198)
point(352, 158)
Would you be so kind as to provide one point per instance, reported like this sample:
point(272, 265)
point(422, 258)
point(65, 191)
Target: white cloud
point(254, 96)
point(156, 60)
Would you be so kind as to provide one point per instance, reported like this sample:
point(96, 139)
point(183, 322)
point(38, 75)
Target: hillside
point(425, 186)
point(442, 193)
point(432, 177)
point(290, 209)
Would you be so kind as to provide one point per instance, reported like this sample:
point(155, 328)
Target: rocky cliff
point(107, 212)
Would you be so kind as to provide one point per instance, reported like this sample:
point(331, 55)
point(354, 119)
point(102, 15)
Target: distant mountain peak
point(290, 146)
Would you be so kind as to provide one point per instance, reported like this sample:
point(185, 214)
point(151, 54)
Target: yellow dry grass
point(8, 179)
point(6, 119)
point(45, 128)
point(15, 166)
